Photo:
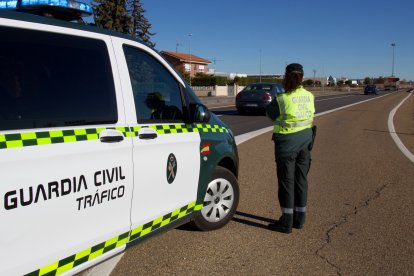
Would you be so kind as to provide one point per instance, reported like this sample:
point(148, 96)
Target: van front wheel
point(220, 201)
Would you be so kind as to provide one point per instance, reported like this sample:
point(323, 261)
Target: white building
point(225, 74)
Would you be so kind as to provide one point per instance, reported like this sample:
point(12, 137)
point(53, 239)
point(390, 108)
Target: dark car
point(371, 89)
point(256, 96)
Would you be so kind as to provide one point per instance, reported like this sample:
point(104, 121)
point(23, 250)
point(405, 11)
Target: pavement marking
point(106, 267)
point(335, 98)
point(250, 135)
point(217, 107)
point(221, 106)
point(394, 135)
point(346, 106)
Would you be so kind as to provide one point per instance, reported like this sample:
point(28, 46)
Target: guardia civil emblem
point(171, 168)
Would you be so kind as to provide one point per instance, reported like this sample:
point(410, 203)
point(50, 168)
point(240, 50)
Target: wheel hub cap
point(218, 200)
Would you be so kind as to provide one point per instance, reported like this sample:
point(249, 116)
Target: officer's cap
point(294, 68)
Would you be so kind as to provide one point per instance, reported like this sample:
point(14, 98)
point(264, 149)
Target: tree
point(367, 80)
point(125, 16)
point(140, 25)
point(379, 80)
point(308, 82)
point(340, 83)
point(112, 15)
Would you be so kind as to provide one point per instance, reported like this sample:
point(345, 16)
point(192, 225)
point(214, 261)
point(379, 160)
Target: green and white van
point(102, 145)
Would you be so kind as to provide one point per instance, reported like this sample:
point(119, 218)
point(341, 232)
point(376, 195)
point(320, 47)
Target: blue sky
point(340, 38)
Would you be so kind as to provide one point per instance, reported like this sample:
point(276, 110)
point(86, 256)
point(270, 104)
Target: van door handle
point(111, 136)
point(111, 139)
point(147, 136)
point(147, 133)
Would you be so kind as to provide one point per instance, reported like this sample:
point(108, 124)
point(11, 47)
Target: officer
point(292, 113)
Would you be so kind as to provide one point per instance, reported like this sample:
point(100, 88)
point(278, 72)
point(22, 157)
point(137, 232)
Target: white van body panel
point(62, 203)
point(61, 226)
point(153, 195)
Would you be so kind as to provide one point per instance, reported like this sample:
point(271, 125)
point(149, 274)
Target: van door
point(65, 163)
point(166, 151)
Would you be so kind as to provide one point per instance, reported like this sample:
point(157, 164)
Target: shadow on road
point(243, 220)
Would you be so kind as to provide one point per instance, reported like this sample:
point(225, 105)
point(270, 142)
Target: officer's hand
point(272, 110)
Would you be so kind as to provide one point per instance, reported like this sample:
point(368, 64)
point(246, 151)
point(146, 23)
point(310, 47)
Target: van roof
point(21, 16)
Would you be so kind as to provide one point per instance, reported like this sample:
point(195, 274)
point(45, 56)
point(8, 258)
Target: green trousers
point(292, 174)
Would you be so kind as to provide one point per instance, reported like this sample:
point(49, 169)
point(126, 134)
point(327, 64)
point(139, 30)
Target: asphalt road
point(241, 124)
point(360, 217)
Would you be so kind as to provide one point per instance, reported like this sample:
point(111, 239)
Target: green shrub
point(308, 82)
point(221, 80)
point(253, 79)
point(207, 80)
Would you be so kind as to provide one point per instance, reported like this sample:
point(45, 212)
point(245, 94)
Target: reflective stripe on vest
point(294, 124)
point(296, 111)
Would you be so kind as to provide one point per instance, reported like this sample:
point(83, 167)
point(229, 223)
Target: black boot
point(283, 225)
point(299, 220)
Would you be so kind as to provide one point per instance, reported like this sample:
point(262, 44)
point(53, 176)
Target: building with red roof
point(187, 63)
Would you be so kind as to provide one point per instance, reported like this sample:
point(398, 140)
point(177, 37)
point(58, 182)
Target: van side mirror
point(201, 114)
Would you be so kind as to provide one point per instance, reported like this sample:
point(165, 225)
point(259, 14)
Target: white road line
point(247, 136)
point(346, 106)
point(231, 113)
point(316, 100)
point(394, 135)
point(221, 106)
point(110, 264)
point(335, 98)
point(250, 135)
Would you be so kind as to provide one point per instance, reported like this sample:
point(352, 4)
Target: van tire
point(220, 201)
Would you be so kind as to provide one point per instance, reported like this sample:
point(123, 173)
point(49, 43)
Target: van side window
point(54, 80)
point(157, 93)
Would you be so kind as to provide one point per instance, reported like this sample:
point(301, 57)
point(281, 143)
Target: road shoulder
point(404, 123)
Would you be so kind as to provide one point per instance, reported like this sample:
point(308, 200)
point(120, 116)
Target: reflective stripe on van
point(93, 252)
point(25, 139)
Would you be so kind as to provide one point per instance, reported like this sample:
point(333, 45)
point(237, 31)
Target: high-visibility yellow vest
point(296, 109)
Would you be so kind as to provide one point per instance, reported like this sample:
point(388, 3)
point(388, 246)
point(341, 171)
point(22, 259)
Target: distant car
point(256, 96)
point(371, 89)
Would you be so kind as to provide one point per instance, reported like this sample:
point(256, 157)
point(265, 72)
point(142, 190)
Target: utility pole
point(189, 51)
point(176, 46)
point(260, 69)
point(324, 78)
point(314, 74)
point(214, 62)
point(393, 47)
